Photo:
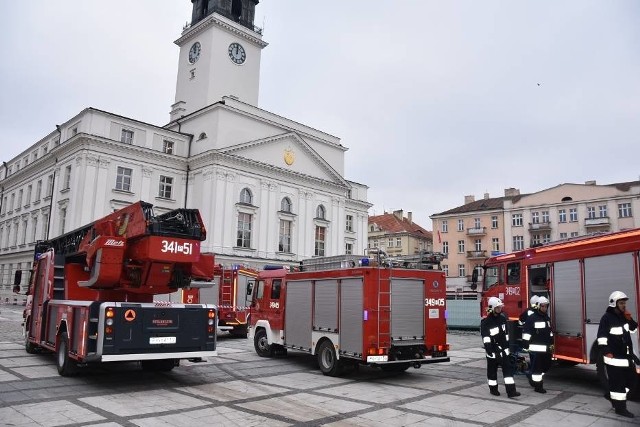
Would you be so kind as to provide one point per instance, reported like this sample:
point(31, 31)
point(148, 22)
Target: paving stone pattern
point(238, 388)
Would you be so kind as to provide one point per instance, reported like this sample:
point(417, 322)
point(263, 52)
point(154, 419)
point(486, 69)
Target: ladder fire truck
point(90, 296)
point(577, 276)
point(349, 312)
point(229, 294)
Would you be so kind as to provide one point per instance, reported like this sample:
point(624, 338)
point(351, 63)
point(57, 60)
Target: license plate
point(377, 358)
point(162, 340)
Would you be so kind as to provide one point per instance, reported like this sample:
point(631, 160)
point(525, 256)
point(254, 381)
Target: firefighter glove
point(627, 315)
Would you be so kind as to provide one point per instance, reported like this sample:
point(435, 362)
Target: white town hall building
point(269, 189)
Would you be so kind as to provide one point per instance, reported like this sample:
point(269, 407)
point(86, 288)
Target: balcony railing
point(477, 254)
point(540, 226)
point(477, 231)
point(597, 222)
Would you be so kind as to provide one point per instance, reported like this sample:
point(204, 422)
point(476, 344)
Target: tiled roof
point(392, 224)
point(480, 205)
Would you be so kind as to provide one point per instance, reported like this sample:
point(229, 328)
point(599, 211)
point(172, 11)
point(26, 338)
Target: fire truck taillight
point(211, 322)
point(212, 314)
point(373, 351)
point(110, 313)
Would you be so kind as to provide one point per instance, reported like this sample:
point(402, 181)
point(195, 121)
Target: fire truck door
point(267, 304)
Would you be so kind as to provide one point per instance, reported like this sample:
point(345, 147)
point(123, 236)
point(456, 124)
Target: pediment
point(290, 152)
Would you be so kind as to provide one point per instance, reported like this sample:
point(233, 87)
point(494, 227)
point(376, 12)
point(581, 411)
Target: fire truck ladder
point(384, 313)
point(226, 289)
point(58, 277)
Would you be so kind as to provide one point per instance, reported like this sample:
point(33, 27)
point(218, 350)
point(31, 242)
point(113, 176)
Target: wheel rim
point(263, 344)
point(327, 358)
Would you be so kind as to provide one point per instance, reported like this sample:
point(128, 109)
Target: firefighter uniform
point(614, 340)
point(537, 337)
point(495, 338)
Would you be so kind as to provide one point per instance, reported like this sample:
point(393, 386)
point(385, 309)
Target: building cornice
point(225, 24)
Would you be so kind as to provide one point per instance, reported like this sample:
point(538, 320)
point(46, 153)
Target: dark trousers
point(620, 378)
point(540, 364)
point(507, 372)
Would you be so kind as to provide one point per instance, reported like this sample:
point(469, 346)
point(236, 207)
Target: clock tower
point(219, 56)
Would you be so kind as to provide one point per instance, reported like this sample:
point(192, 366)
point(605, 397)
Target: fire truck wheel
point(66, 365)
point(329, 363)
point(261, 344)
point(28, 346)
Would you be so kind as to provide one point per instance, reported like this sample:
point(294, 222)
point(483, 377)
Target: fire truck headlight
point(110, 321)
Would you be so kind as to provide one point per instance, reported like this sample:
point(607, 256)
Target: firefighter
point(614, 340)
point(496, 344)
point(533, 306)
point(537, 338)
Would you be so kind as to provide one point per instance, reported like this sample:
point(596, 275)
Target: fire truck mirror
point(249, 288)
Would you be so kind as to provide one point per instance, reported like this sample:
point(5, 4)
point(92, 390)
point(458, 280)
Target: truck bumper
point(155, 356)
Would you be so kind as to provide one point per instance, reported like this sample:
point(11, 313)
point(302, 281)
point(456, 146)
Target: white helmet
point(615, 297)
point(493, 303)
point(542, 300)
point(534, 300)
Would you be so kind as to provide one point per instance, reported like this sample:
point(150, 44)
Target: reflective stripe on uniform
point(506, 337)
point(618, 396)
point(492, 382)
point(540, 325)
point(486, 340)
point(537, 347)
point(526, 337)
point(509, 380)
point(626, 327)
point(506, 351)
point(617, 330)
point(536, 378)
point(494, 331)
point(616, 362)
point(603, 341)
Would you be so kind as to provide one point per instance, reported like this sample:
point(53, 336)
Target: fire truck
point(351, 312)
point(229, 294)
point(90, 296)
point(577, 276)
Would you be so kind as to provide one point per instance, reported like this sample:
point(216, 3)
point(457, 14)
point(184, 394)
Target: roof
point(390, 223)
point(480, 205)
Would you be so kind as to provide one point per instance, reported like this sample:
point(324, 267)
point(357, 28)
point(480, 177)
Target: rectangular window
point(545, 217)
point(38, 190)
point(166, 185)
point(63, 220)
point(574, 234)
point(4, 206)
point(319, 241)
point(126, 136)
point(13, 201)
point(563, 235)
point(390, 244)
point(478, 244)
point(167, 146)
point(461, 270)
point(67, 178)
point(546, 238)
point(375, 243)
point(495, 244)
point(348, 248)
point(244, 230)
point(518, 243)
point(476, 223)
point(494, 221)
point(19, 205)
point(535, 239)
point(516, 220)
point(603, 211)
point(535, 217)
point(45, 149)
point(573, 214)
point(284, 239)
point(34, 155)
point(591, 212)
point(349, 223)
point(562, 215)
point(27, 201)
point(624, 210)
point(460, 225)
point(445, 247)
point(123, 179)
point(398, 242)
point(49, 186)
point(23, 233)
point(45, 226)
point(33, 230)
point(445, 226)
point(460, 246)
point(445, 270)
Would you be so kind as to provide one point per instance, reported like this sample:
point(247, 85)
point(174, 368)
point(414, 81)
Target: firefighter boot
point(494, 390)
point(621, 409)
point(538, 388)
point(511, 391)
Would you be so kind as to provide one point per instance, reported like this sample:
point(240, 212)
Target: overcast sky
point(434, 99)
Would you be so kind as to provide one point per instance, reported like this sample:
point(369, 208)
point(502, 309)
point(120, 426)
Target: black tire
point(29, 347)
point(261, 344)
point(66, 365)
point(161, 365)
point(396, 367)
point(240, 331)
point(327, 359)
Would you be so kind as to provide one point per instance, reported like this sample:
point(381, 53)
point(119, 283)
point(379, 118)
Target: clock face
point(194, 52)
point(237, 53)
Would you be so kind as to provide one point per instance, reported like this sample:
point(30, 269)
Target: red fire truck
point(388, 317)
point(577, 276)
point(90, 296)
point(229, 294)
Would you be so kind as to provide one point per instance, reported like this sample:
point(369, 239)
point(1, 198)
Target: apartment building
point(470, 233)
point(398, 235)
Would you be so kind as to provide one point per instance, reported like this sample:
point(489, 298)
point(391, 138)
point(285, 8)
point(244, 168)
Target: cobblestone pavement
point(240, 388)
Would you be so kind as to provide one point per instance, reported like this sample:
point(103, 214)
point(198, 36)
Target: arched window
point(285, 205)
point(320, 212)
point(245, 196)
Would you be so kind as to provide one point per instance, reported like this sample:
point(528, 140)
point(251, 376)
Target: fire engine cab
point(347, 311)
point(577, 276)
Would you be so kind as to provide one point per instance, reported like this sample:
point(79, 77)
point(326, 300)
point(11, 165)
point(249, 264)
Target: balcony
point(602, 222)
point(477, 254)
point(477, 231)
point(539, 226)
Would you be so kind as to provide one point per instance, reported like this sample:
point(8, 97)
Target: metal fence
point(463, 311)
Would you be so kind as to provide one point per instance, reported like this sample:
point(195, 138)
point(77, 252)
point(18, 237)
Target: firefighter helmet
point(493, 303)
point(534, 300)
point(615, 297)
point(542, 300)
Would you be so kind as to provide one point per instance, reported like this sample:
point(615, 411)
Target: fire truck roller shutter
point(567, 309)
point(210, 295)
point(325, 313)
point(297, 326)
point(407, 309)
point(351, 313)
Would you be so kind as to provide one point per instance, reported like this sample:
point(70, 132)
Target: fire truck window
point(513, 273)
point(490, 277)
point(260, 290)
point(275, 288)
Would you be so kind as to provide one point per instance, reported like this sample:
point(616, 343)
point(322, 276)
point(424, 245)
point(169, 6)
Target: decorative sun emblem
point(289, 157)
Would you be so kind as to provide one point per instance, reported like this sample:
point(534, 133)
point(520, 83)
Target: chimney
point(592, 182)
point(409, 217)
point(469, 199)
point(486, 196)
point(511, 192)
point(398, 214)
